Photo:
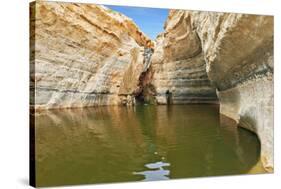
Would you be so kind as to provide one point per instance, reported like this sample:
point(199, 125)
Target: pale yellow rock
point(178, 64)
point(237, 50)
point(83, 55)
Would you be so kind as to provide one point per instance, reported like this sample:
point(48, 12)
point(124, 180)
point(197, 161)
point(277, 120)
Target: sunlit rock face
point(237, 50)
point(178, 64)
point(84, 55)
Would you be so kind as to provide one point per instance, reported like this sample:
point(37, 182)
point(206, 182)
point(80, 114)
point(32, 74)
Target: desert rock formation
point(86, 55)
point(83, 55)
point(237, 50)
point(178, 64)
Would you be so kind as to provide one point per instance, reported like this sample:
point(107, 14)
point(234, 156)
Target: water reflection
point(117, 144)
point(157, 173)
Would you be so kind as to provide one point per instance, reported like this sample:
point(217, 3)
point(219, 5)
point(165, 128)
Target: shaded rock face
point(236, 51)
point(179, 66)
point(84, 55)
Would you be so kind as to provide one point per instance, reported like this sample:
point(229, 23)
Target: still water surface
point(118, 144)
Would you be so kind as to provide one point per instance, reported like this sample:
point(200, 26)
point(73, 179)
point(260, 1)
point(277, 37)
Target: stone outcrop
point(83, 55)
point(179, 66)
point(237, 50)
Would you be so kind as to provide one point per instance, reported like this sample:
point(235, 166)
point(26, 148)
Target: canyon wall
point(237, 50)
point(83, 55)
point(178, 64)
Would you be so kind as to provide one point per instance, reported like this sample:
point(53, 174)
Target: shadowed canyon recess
point(88, 55)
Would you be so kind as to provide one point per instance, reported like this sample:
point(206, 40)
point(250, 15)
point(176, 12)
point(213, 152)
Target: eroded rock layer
point(179, 66)
point(83, 54)
point(238, 52)
point(239, 58)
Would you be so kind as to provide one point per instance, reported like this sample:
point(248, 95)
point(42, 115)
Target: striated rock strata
point(238, 52)
point(178, 64)
point(83, 55)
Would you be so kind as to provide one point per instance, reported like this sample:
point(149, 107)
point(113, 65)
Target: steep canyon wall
point(83, 55)
point(230, 52)
point(179, 66)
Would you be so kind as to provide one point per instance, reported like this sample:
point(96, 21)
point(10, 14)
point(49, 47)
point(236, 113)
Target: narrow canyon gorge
point(89, 55)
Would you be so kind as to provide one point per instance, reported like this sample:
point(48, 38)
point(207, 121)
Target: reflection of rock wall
point(251, 105)
point(102, 139)
point(178, 63)
point(83, 55)
point(238, 52)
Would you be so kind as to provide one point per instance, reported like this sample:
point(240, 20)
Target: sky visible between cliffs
point(149, 20)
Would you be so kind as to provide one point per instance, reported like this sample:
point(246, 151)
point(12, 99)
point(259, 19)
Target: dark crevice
point(145, 93)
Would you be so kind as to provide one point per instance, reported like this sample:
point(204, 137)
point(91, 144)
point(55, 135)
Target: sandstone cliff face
point(237, 50)
point(178, 64)
point(84, 55)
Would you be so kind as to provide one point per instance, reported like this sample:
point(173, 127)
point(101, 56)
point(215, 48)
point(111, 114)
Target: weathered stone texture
point(238, 52)
point(238, 49)
point(84, 55)
point(178, 64)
